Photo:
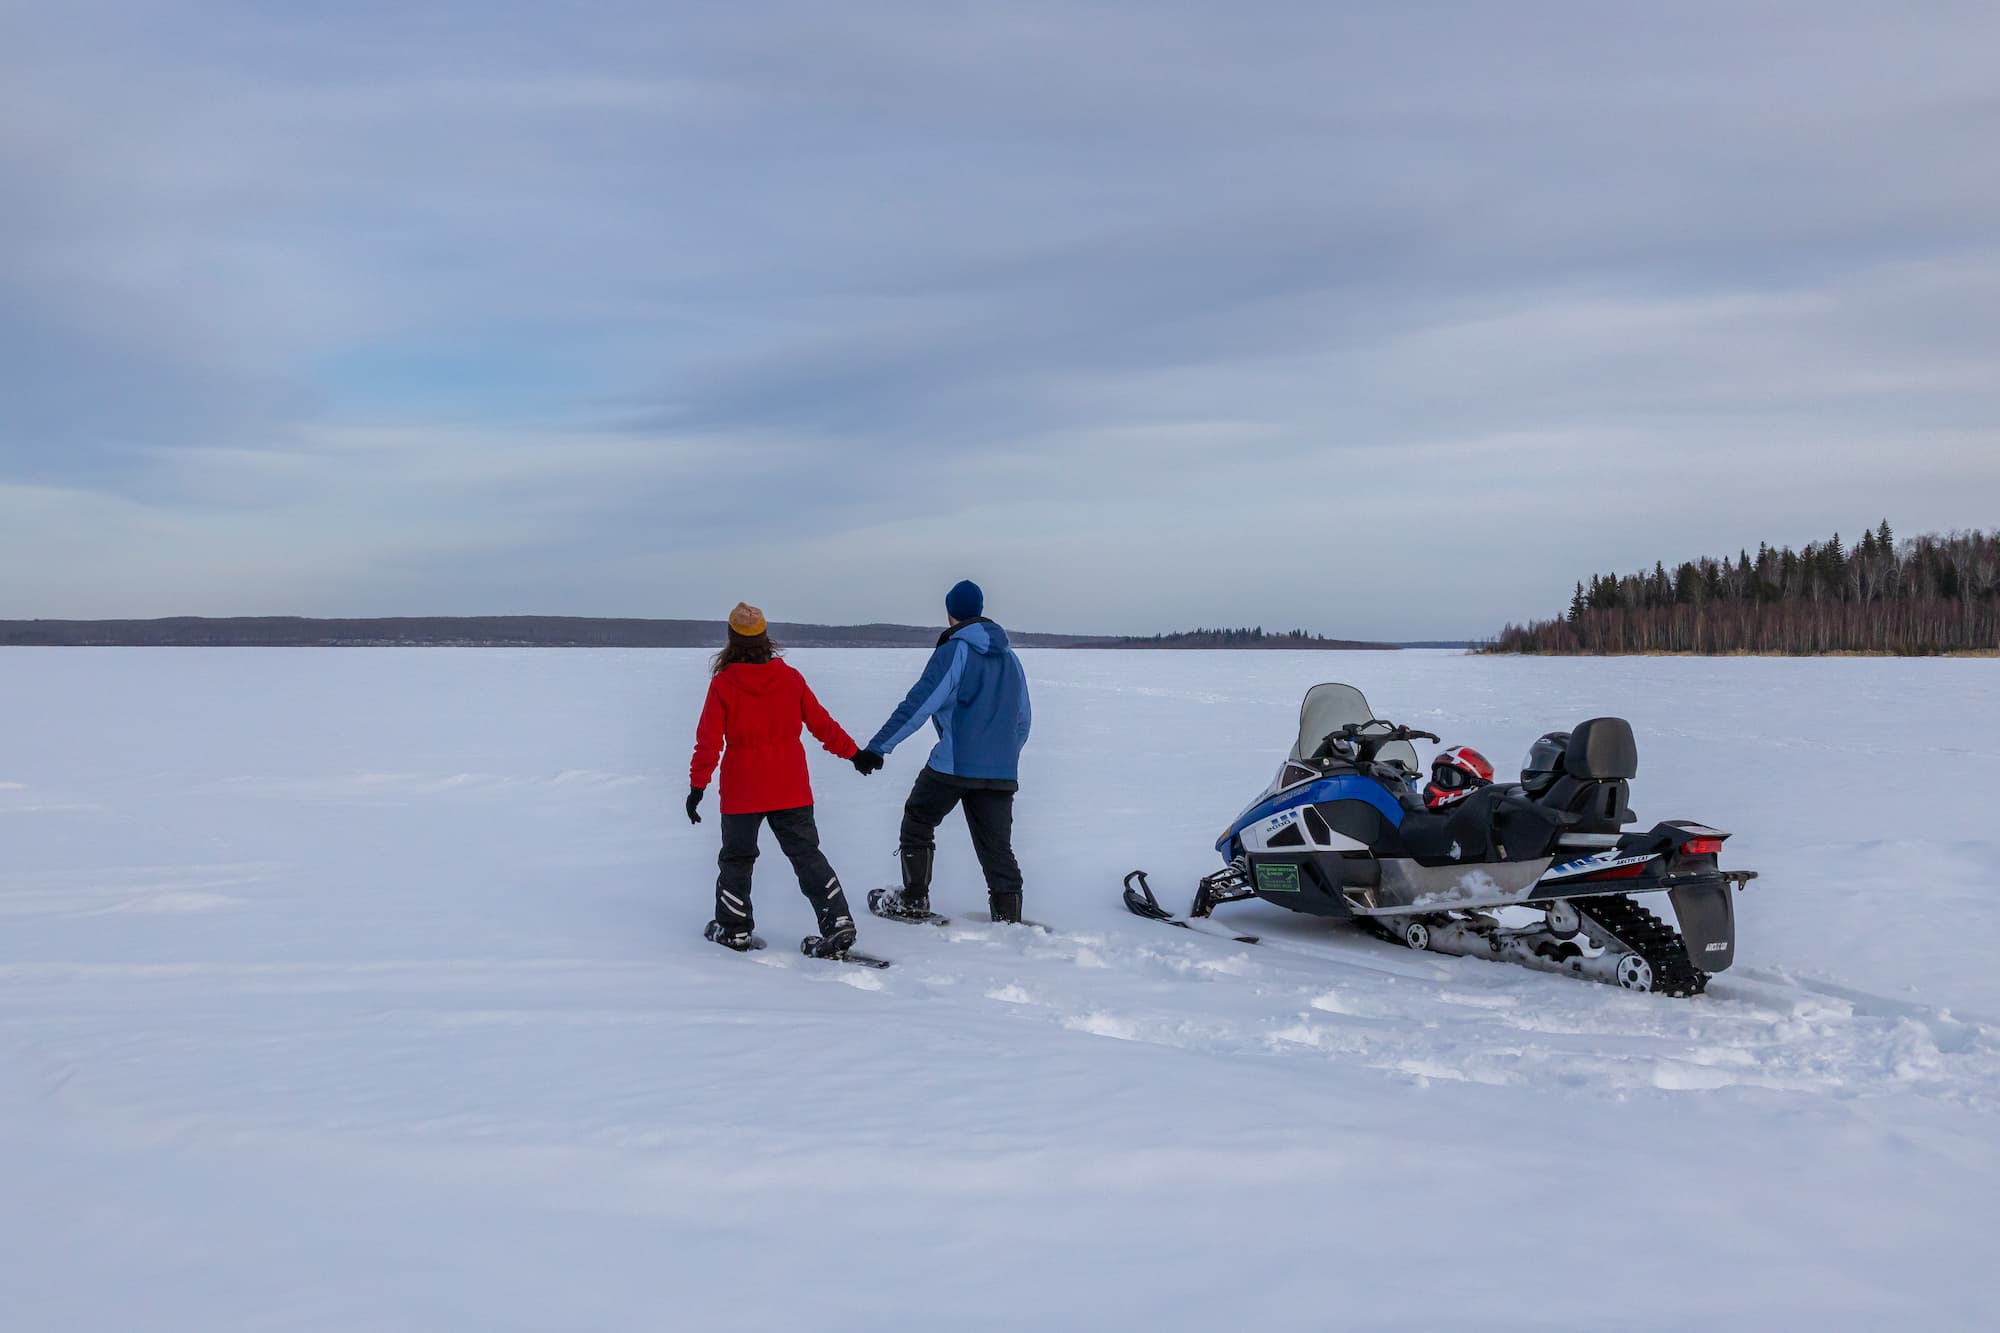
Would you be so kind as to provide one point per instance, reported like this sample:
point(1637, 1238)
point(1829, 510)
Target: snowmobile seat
point(1427, 837)
point(1460, 836)
point(1523, 830)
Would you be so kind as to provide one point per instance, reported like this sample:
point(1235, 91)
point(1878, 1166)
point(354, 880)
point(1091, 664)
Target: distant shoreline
point(546, 632)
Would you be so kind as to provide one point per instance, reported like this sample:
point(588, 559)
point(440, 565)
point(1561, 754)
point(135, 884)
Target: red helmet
point(1455, 775)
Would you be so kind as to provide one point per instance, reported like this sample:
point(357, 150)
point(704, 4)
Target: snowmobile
point(1342, 832)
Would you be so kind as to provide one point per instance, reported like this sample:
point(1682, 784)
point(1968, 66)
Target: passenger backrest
point(1602, 805)
point(1601, 750)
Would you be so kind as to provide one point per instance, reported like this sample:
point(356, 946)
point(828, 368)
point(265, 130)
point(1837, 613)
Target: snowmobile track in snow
point(1466, 1019)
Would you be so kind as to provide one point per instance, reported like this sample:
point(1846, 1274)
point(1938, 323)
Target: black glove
point(866, 762)
point(694, 803)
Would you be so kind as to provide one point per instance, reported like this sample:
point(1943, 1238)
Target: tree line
point(567, 632)
point(1924, 595)
point(468, 632)
point(1254, 636)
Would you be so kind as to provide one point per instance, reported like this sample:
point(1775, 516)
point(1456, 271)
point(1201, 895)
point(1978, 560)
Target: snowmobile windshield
point(1330, 707)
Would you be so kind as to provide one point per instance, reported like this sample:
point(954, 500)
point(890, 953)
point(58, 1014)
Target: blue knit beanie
point(965, 601)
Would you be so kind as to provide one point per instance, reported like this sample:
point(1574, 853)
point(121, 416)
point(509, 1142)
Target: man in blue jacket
point(976, 696)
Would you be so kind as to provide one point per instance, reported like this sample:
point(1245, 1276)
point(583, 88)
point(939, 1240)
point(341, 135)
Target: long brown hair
point(753, 649)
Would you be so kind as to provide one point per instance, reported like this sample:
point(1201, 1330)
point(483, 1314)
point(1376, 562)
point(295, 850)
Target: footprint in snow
point(1103, 1025)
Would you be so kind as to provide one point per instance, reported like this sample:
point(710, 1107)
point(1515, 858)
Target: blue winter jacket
point(976, 695)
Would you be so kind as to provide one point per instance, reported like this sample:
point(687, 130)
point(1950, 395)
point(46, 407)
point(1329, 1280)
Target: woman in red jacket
point(751, 721)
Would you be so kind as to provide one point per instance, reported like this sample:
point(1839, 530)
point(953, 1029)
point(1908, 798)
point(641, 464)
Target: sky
point(1382, 321)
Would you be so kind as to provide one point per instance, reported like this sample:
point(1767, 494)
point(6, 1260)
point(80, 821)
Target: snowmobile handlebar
point(1368, 742)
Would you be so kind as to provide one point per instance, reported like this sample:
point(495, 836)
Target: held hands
point(694, 802)
point(866, 762)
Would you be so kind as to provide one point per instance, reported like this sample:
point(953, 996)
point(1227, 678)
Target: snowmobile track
point(1652, 939)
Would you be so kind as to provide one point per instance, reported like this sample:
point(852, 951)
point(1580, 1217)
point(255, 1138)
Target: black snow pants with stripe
point(798, 839)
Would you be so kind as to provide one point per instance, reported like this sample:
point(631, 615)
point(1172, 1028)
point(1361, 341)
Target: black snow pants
point(989, 814)
point(798, 839)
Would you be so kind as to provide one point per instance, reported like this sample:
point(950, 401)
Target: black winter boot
point(832, 944)
point(913, 900)
point(1005, 906)
point(915, 863)
point(838, 933)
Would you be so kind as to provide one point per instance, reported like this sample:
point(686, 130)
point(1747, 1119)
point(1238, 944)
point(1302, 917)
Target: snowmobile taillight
point(1702, 847)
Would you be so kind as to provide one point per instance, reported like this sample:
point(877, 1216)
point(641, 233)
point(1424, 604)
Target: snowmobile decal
point(1342, 788)
point(1590, 865)
point(1277, 877)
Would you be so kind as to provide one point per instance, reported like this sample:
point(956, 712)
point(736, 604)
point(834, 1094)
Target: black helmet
point(1544, 763)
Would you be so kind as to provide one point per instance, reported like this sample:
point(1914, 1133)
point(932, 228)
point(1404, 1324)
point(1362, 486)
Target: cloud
point(1383, 321)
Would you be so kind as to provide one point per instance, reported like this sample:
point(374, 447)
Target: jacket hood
point(756, 677)
point(982, 636)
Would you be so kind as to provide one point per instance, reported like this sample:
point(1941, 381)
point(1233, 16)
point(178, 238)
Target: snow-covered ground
point(348, 990)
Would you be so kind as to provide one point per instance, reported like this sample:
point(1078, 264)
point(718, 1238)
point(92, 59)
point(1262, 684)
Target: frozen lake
point(351, 989)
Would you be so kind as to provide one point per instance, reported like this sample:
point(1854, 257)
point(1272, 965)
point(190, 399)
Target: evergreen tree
point(1936, 594)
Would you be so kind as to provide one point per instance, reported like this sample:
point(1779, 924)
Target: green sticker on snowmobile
point(1279, 878)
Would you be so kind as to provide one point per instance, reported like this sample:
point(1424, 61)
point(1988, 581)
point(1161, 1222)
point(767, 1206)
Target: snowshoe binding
point(838, 947)
point(892, 905)
point(912, 902)
point(742, 941)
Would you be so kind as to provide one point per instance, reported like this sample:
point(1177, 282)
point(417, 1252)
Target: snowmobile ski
point(1139, 899)
point(813, 946)
point(875, 897)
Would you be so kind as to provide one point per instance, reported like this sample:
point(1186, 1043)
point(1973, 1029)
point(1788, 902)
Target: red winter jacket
point(751, 720)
